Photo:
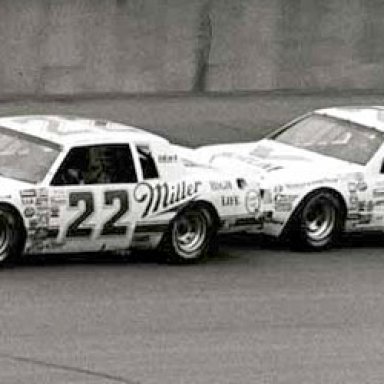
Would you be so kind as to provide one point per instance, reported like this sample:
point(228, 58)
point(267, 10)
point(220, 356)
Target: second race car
point(320, 175)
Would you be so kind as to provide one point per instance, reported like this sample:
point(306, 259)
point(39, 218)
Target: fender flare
point(303, 201)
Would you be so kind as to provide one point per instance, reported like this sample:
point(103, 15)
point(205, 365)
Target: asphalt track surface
point(255, 313)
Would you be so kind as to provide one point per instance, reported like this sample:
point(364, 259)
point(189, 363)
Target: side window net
point(147, 163)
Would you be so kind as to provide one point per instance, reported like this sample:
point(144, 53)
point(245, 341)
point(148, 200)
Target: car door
point(90, 199)
point(370, 194)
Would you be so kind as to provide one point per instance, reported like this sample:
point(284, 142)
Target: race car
point(71, 184)
point(320, 175)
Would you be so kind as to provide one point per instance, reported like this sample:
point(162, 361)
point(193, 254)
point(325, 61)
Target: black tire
point(317, 223)
point(12, 236)
point(191, 236)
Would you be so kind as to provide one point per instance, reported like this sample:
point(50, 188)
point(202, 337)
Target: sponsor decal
point(167, 158)
point(29, 212)
point(378, 192)
point(28, 196)
point(58, 200)
point(366, 206)
point(28, 193)
point(362, 186)
point(365, 218)
point(43, 218)
point(55, 211)
point(379, 203)
point(33, 223)
point(28, 201)
point(266, 166)
point(285, 198)
point(361, 206)
point(42, 201)
point(324, 180)
point(358, 184)
point(163, 197)
point(43, 192)
point(283, 207)
point(353, 216)
point(230, 201)
point(252, 201)
point(220, 185)
point(360, 218)
point(284, 203)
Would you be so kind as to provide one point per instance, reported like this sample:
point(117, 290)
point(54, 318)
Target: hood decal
point(265, 165)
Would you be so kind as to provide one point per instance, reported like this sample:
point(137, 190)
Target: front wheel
point(12, 236)
point(190, 236)
point(318, 222)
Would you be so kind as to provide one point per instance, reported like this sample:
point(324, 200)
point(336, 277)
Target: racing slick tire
point(317, 223)
point(191, 236)
point(12, 236)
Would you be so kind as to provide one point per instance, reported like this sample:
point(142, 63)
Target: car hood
point(8, 185)
point(271, 159)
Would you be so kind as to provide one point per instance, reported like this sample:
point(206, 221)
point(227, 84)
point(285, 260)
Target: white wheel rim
point(319, 219)
point(189, 233)
point(5, 235)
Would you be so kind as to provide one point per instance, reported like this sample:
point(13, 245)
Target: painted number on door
point(77, 228)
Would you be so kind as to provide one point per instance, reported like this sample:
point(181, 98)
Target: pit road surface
point(252, 314)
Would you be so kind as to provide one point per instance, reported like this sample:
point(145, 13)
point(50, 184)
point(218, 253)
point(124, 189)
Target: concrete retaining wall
point(75, 47)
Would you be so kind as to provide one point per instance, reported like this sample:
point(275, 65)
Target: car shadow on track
point(246, 241)
point(243, 243)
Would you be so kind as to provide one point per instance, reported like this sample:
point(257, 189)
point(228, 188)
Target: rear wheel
point(12, 236)
point(190, 236)
point(318, 222)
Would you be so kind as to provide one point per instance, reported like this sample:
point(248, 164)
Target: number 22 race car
point(319, 176)
point(70, 184)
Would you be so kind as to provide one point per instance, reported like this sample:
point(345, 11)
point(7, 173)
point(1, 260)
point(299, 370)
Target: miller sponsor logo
point(164, 196)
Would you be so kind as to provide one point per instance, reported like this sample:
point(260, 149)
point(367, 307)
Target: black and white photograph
point(192, 191)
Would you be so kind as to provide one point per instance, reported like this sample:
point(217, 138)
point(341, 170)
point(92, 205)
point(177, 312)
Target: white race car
point(319, 175)
point(70, 184)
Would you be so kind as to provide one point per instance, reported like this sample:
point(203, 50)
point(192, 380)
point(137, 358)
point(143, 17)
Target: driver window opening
point(99, 164)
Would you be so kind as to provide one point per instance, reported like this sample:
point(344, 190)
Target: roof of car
point(74, 130)
point(369, 116)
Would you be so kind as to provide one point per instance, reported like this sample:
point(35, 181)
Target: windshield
point(332, 137)
point(25, 158)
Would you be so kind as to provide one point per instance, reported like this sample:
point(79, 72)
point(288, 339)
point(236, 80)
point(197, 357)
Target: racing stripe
point(159, 227)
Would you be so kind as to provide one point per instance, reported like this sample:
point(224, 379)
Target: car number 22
point(76, 229)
